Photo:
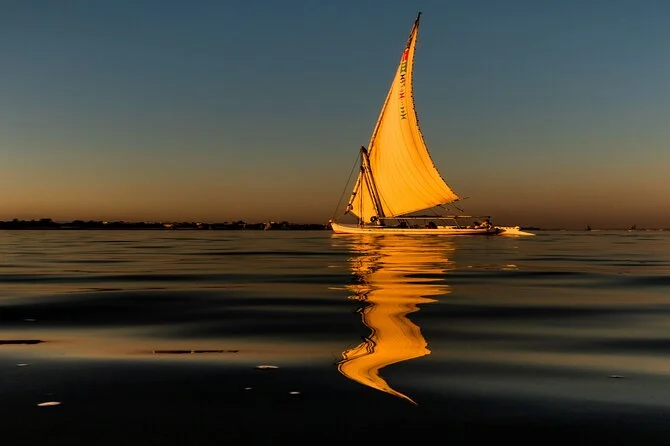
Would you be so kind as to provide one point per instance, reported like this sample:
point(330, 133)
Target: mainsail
point(398, 176)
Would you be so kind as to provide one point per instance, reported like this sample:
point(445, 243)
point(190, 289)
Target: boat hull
point(339, 228)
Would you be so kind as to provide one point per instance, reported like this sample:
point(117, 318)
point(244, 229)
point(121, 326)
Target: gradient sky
point(544, 113)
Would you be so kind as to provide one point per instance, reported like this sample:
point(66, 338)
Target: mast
point(370, 181)
point(397, 174)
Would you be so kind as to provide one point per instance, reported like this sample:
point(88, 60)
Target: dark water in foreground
point(156, 337)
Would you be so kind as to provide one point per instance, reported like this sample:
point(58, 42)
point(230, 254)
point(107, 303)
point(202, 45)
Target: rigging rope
point(344, 191)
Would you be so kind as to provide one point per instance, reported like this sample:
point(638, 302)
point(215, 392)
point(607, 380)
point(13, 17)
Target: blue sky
point(543, 113)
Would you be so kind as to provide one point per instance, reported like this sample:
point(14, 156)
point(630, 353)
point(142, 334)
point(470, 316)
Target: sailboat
point(398, 178)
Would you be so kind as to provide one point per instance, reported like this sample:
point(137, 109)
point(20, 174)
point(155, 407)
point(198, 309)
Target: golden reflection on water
point(394, 275)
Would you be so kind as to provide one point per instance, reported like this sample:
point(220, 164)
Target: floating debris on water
point(616, 376)
point(266, 367)
point(29, 319)
point(184, 352)
point(22, 364)
point(49, 403)
point(295, 392)
point(20, 341)
point(248, 388)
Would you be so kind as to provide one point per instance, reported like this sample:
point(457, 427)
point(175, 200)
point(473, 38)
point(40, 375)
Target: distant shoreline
point(49, 224)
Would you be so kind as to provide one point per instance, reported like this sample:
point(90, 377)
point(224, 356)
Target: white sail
point(400, 168)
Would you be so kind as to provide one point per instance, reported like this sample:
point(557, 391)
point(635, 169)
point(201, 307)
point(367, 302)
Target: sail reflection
point(395, 275)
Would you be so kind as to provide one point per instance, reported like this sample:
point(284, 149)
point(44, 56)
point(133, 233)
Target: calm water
point(159, 335)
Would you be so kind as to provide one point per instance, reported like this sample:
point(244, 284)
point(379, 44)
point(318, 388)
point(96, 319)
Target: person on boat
point(431, 225)
point(486, 223)
point(375, 220)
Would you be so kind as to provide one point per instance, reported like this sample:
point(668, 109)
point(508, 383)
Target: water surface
point(160, 335)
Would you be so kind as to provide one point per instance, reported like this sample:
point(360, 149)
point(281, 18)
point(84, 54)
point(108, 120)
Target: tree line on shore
point(48, 223)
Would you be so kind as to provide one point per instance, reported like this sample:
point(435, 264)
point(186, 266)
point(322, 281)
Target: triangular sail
point(402, 171)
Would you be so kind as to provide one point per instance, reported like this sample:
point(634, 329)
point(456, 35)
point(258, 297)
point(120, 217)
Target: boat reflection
point(394, 276)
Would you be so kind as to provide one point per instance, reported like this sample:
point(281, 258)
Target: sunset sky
point(544, 113)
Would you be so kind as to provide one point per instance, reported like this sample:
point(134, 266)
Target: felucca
point(398, 178)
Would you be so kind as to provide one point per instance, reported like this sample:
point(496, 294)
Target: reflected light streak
point(394, 275)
